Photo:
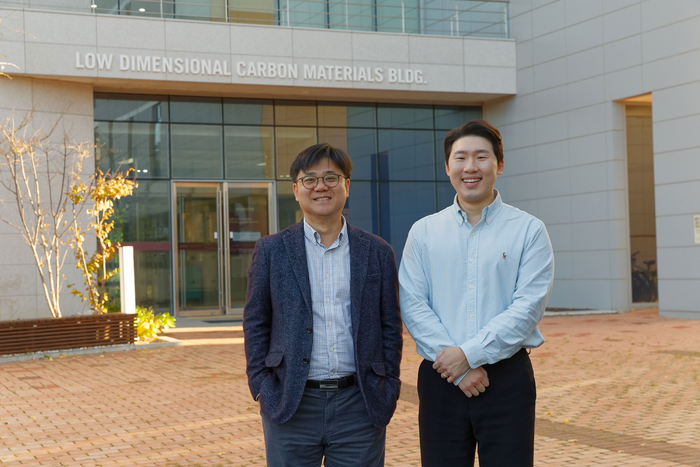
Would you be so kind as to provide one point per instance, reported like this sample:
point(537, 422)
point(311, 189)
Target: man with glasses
point(323, 333)
point(475, 280)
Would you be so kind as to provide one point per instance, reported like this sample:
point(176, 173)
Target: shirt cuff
point(475, 355)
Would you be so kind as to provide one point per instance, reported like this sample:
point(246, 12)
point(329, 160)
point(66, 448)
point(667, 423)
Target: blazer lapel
point(296, 252)
point(359, 257)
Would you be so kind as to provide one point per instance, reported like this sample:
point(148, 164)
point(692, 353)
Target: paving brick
point(618, 390)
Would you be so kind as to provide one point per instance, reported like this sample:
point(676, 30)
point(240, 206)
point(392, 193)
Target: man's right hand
point(475, 382)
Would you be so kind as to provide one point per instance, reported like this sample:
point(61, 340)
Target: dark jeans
point(334, 425)
point(499, 422)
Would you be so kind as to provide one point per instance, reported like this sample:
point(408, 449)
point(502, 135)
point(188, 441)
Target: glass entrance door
point(216, 227)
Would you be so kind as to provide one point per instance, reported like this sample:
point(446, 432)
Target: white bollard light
point(127, 283)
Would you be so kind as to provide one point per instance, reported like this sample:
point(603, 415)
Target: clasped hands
point(451, 363)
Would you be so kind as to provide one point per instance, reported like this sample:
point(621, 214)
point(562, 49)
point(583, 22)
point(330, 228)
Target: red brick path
point(620, 390)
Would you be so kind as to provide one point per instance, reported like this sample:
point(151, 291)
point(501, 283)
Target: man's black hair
point(475, 128)
point(315, 154)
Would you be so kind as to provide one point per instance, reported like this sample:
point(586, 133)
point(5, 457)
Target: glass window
point(361, 146)
point(143, 222)
point(195, 110)
point(249, 152)
point(347, 116)
point(445, 195)
point(401, 204)
point(440, 173)
point(248, 112)
point(398, 16)
point(362, 206)
point(295, 113)
point(406, 155)
point(124, 108)
point(289, 142)
point(199, 10)
point(251, 11)
point(357, 15)
point(196, 151)
point(447, 118)
point(288, 210)
point(405, 117)
point(304, 13)
point(128, 145)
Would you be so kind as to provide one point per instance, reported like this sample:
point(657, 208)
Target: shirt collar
point(487, 215)
point(314, 237)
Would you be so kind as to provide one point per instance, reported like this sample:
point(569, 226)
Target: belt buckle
point(328, 385)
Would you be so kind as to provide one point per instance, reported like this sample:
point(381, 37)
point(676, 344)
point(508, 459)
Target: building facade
point(209, 101)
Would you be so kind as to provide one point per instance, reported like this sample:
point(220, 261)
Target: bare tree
point(38, 176)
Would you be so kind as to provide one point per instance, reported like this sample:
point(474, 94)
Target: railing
point(437, 17)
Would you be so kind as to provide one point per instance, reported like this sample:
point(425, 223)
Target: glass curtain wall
point(397, 152)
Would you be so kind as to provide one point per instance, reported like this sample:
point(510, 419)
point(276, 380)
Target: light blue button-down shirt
point(332, 353)
point(482, 288)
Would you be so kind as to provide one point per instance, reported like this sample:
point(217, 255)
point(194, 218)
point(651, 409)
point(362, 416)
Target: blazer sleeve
point(392, 326)
point(257, 318)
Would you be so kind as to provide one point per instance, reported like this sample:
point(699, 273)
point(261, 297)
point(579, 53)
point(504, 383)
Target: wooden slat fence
point(35, 335)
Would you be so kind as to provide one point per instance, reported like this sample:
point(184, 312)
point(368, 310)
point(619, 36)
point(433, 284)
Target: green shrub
point(148, 324)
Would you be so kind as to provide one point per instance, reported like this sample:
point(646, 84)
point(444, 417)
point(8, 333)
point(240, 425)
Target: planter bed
point(36, 335)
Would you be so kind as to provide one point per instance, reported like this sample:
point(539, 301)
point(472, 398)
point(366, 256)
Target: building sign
point(267, 70)
point(697, 230)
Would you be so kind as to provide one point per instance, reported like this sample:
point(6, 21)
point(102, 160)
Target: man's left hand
point(451, 363)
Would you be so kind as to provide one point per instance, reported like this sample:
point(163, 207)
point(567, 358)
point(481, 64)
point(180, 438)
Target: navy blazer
point(278, 323)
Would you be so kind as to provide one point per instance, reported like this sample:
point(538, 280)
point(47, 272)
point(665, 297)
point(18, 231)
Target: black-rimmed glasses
point(330, 180)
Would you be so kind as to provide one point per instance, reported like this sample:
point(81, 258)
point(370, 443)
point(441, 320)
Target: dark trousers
point(499, 422)
point(330, 427)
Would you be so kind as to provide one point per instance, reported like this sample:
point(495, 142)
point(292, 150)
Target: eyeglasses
point(330, 180)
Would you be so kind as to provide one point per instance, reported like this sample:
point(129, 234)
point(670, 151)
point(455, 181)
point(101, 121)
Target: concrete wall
point(565, 140)
point(21, 293)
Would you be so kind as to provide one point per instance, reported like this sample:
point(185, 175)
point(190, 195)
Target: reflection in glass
point(251, 11)
point(249, 152)
point(304, 13)
point(361, 146)
point(248, 112)
point(398, 16)
point(289, 142)
point(362, 206)
point(401, 204)
point(357, 15)
point(248, 221)
point(295, 113)
point(445, 195)
point(447, 118)
point(195, 110)
point(196, 151)
point(197, 248)
point(126, 108)
point(406, 155)
point(144, 216)
point(199, 10)
point(143, 222)
point(404, 117)
point(347, 116)
point(440, 172)
point(288, 210)
point(128, 145)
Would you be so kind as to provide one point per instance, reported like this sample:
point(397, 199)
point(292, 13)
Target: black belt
point(332, 384)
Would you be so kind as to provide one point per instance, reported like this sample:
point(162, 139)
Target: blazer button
point(309, 330)
point(305, 360)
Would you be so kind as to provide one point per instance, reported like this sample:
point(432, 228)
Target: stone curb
point(162, 341)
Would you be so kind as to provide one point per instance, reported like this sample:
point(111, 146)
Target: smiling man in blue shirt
point(474, 282)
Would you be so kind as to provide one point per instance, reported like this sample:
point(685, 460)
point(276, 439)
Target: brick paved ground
point(619, 390)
